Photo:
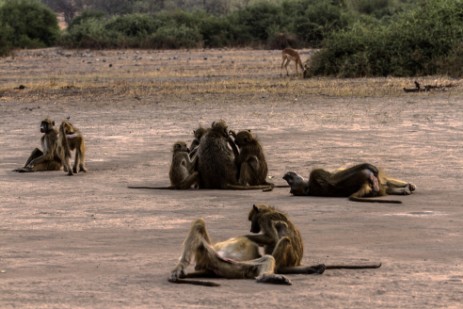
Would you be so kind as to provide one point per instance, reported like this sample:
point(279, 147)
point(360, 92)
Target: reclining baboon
point(280, 238)
point(235, 258)
point(75, 141)
point(239, 257)
point(216, 160)
point(251, 163)
point(357, 183)
point(49, 159)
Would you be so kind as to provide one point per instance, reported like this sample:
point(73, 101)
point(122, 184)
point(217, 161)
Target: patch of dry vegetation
point(177, 73)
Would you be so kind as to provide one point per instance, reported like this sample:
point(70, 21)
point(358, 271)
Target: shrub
point(28, 24)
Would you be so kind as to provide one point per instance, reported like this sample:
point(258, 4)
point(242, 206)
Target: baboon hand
point(274, 279)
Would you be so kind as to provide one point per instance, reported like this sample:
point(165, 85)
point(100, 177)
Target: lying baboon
point(182, 172)
point(48, 159)
point(251, 163)
point(75, 141)
point(280, 238)
point(239, 257)
point(357, 183)
point(288, 55)
point(235, 258)
point(216, 160)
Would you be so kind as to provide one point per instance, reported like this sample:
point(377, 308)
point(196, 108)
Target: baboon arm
point(262, 239)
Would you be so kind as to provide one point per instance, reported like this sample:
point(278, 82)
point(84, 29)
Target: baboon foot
point(74, 170)
point(273, 279)
point(70, 172)
point(316, 269)
point(176, 274)
point(23, 170)
point(411, 187)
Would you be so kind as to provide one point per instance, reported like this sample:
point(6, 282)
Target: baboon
point(182, 172)
point(280, 238)
point(47, 159)
point(251, 163)
point(75, 141)
point(235, 258)
point(198, 134)
point(357, 183)
point(288, 55)
point(216, 160)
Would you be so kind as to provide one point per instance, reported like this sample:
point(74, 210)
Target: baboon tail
point(194, 282)
point(373, 200)
point(354, 266)
point(148, 187)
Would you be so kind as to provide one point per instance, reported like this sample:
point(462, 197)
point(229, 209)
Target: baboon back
point(216, 165)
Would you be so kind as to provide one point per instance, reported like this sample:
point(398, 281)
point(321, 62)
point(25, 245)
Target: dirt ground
point(88, 241)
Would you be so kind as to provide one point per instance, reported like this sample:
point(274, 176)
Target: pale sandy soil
point(88, 241)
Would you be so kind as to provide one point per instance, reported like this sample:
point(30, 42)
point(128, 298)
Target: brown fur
point(288, 55)
point(72, 139)
point(216, 160)
point(198, 134)
point(182, 172)
point(251, 163)
point(47, 159)
point(357, 183)
point(280, 238)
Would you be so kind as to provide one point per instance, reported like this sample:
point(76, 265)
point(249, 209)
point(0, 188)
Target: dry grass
point(178, 72)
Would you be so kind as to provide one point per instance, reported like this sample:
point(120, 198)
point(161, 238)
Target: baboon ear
point(255, 208)
point(249, 130)
point(53, 123)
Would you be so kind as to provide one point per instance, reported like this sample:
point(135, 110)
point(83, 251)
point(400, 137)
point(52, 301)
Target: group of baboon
point(56, 149)
point(219, 158)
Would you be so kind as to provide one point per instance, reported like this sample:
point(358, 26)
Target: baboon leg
point(246, 173)
point(188, 181)
point(359, 171)
point(82, 159)
point(35, 154)
point(399, 187)
point(66, 166)
point(76, 161)
point(266, 271)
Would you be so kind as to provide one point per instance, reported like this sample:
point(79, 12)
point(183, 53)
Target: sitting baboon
point(48, 159)
point(280, 238)
point(216, 160)
point(198, 134)
point(251, 163)
point(357, 183)
point(235, 258)
point(182, 172)
point(75, 141)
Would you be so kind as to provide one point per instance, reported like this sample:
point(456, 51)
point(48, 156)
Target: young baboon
point(288, 55)
point(216, 160)
point(280, 238)
point(182, 172)
point(75, 141)
point(48, 158)
point(251, 163)
point(235, 258)
point(198, 134)
point(357, 183)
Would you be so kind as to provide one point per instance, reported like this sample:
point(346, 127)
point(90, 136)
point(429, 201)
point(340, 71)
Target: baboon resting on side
point(49, 158)
point(357, 183)
point(74, 140)
point(239, 257)
point(216, 160)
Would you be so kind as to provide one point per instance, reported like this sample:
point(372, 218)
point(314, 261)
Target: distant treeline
point(355, 37)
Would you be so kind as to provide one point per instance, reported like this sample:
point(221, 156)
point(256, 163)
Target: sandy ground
point(88, 241)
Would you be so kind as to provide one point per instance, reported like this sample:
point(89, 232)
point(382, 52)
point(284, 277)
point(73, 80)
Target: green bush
point(170, 37)
point(29, 24)
point(413, 43)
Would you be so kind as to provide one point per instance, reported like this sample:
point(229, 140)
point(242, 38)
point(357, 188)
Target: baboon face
point(199, 132)
point(254, 215)
point(296, 182)
point(46, 125)
point(180, 147)
point(244, 138)
point(67, 128)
